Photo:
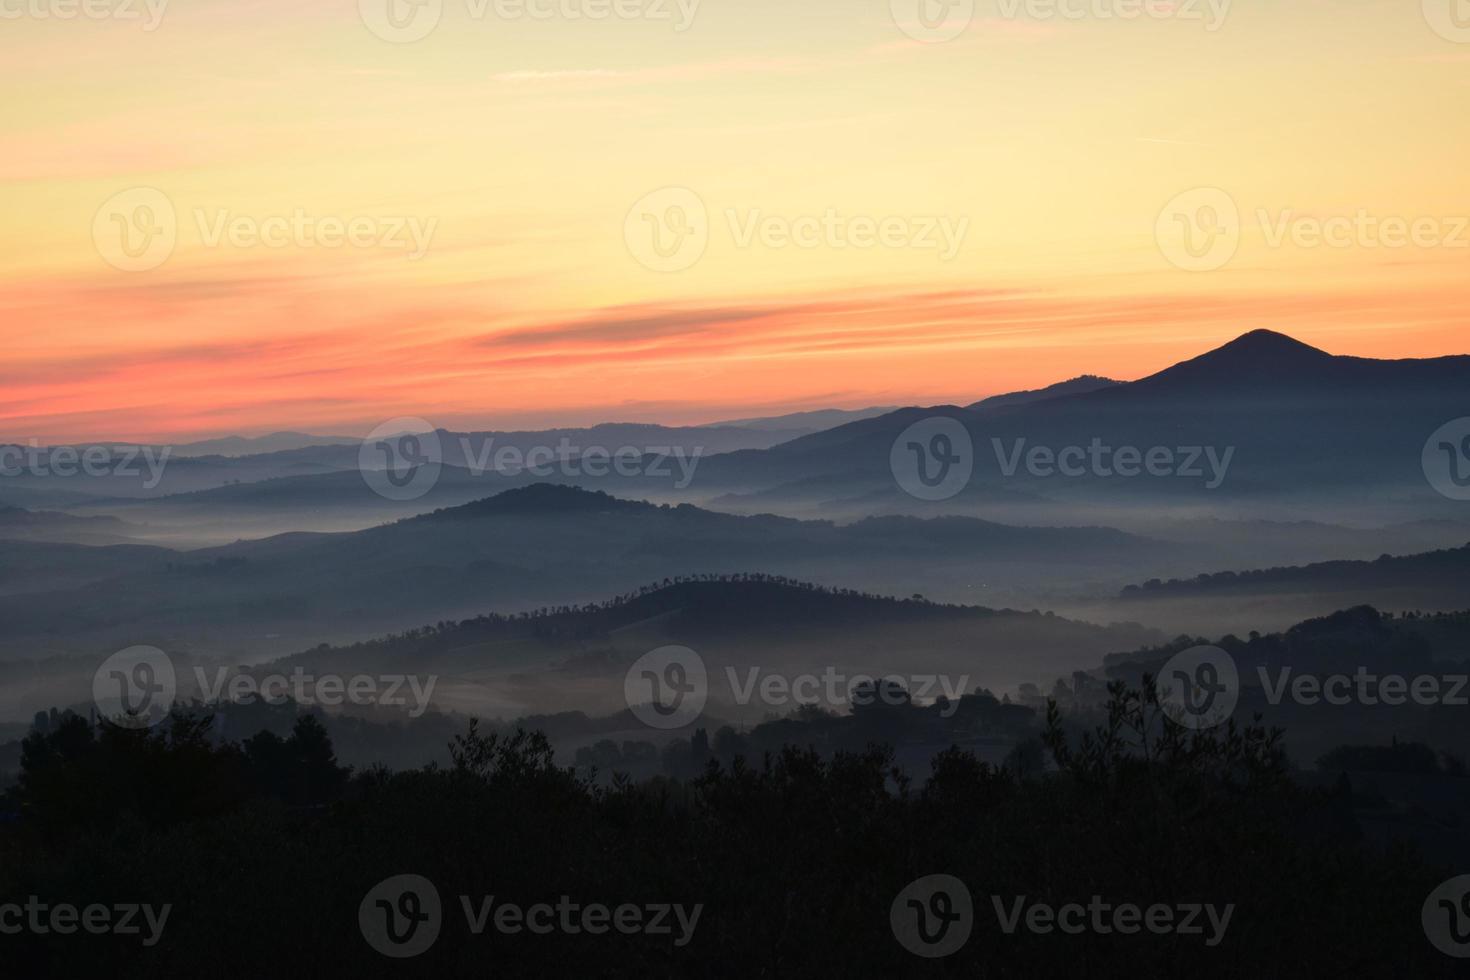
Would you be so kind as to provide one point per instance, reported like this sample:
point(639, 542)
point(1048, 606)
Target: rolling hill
point(532, 546)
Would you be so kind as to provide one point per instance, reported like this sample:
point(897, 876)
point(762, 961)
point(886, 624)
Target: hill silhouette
point(1344, 432)
point(1076, 386)
point(575, 657)
point(525, 548)
point(1445, 569)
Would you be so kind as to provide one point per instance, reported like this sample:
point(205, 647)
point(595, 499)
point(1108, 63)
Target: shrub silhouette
point(795, 855)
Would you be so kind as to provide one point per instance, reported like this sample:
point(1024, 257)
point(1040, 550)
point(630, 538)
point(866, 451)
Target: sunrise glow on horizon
point(355, 228)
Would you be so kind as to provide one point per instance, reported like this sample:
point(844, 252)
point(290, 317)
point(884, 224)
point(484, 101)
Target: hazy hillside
point(149, 472)
point(804, 423)
point(543, 544)
point(1274, 598)
point(18, 524)
point(1446, 569)
point(576, 658)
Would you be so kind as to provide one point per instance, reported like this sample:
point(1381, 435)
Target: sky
point(223, 217)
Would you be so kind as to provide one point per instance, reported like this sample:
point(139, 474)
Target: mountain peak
point(1269, 343)
point(1261, 358)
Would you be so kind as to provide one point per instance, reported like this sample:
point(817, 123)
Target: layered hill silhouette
point(1303, 424)
point(575, 657)
point(216, 464)
point(528, 547)
point(1277, 597)
point(1297, 432)
point(19, 524)
point(1446, 572)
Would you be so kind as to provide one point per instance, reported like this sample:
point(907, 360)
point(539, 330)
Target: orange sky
point(622, 220)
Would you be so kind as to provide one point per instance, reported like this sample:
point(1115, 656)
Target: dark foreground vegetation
point(265, 849)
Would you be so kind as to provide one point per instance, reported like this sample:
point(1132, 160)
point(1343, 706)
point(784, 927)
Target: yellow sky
point(566, 219)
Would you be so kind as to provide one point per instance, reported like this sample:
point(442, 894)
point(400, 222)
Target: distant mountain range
point(805, 423)
point(1263, 427)
point(24, 525)
point(275, 442)
point(1303, 428)
point(199, 466)
point(522, 548)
